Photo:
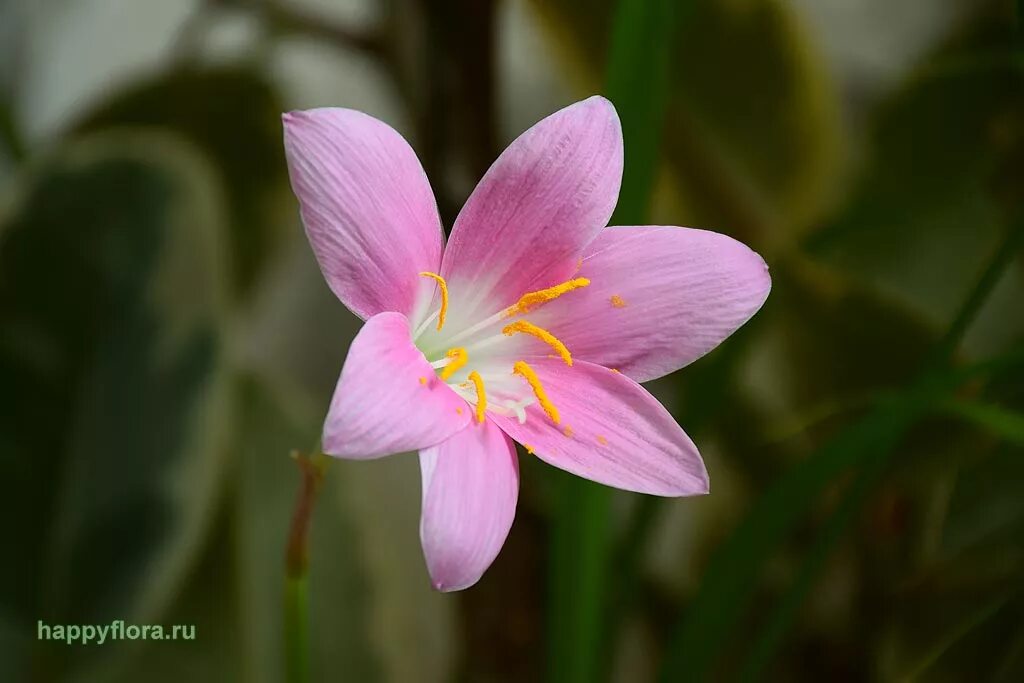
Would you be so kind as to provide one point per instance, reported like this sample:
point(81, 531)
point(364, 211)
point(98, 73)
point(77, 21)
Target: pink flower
point(534, 324)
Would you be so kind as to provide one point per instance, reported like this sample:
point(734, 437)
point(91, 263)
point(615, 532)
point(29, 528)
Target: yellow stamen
point(458, 357)
point(615, 370)
point(481, 396)
point(423, 380)
point(542, 334)
point(527, 373)
point(458, 410)
point(529, 448)
point(527, 302)
point(618, 301)
point(444, 296)
point(601, 440)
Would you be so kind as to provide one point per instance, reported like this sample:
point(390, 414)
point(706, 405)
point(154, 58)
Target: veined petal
point(538, 206)
point(611, 431)
point(369, 213)
point(659, 298)
point(470, 489)
point(388, 399)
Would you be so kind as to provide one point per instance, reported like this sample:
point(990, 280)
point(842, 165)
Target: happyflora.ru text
point(116, 630)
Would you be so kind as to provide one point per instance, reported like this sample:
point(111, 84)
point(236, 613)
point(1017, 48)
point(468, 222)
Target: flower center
point(481, 359)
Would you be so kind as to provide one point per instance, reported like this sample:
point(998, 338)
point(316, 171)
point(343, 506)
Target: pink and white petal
point(538, 206)
point(659, 299)
point(369, 212)
point(389, 399)
point(611, 431)
point(470, 489)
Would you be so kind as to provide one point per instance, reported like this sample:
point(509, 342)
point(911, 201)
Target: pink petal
point(659, 298)
point(368, 209)
point(538, 206)
point(388, 399)
point(470, 487)
point(611, 431)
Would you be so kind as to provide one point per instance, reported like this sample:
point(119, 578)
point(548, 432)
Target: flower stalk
point(296, 608)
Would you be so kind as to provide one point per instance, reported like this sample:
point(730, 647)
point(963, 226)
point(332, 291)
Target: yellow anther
point(444, 296)
point(527, 373)
point(529, 448)
point(423, 381)
point(458, 410)
point(602, 440)
point(618, 301)
point(458, 357)
point(481, 396)
point(542, 334)
point(567, 431)
point(527, 302)
point(616, 371)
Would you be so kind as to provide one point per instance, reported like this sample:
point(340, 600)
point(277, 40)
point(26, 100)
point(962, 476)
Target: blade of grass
point(731, 576)
point(1005, 424)
point(581, 538)
point(770, 637)
point(732, 573)
point(962, 630)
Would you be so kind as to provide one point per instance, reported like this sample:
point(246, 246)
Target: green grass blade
point(1005, 424)
point(581, 538)
point(899, 414)
point(730, 578)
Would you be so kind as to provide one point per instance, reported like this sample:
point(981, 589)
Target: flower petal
point(659, 299)
point(538, 206)
point(389, 399)
point(470, 489)
point(611, 431)
point(368, 209)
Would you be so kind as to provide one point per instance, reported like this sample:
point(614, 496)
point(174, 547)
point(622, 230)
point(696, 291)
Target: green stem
point(296, 606)
point(296, 625)
point(580, 595)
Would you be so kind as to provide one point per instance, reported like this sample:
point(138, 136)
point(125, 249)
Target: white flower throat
point(476, 355)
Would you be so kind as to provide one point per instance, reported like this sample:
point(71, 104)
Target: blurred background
point(166, 340)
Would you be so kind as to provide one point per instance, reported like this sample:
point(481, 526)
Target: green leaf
point(954, 617)
point(233, 115)
point(752, 136)
point(1000, 422)
point(932, 200)
point(115, 402)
